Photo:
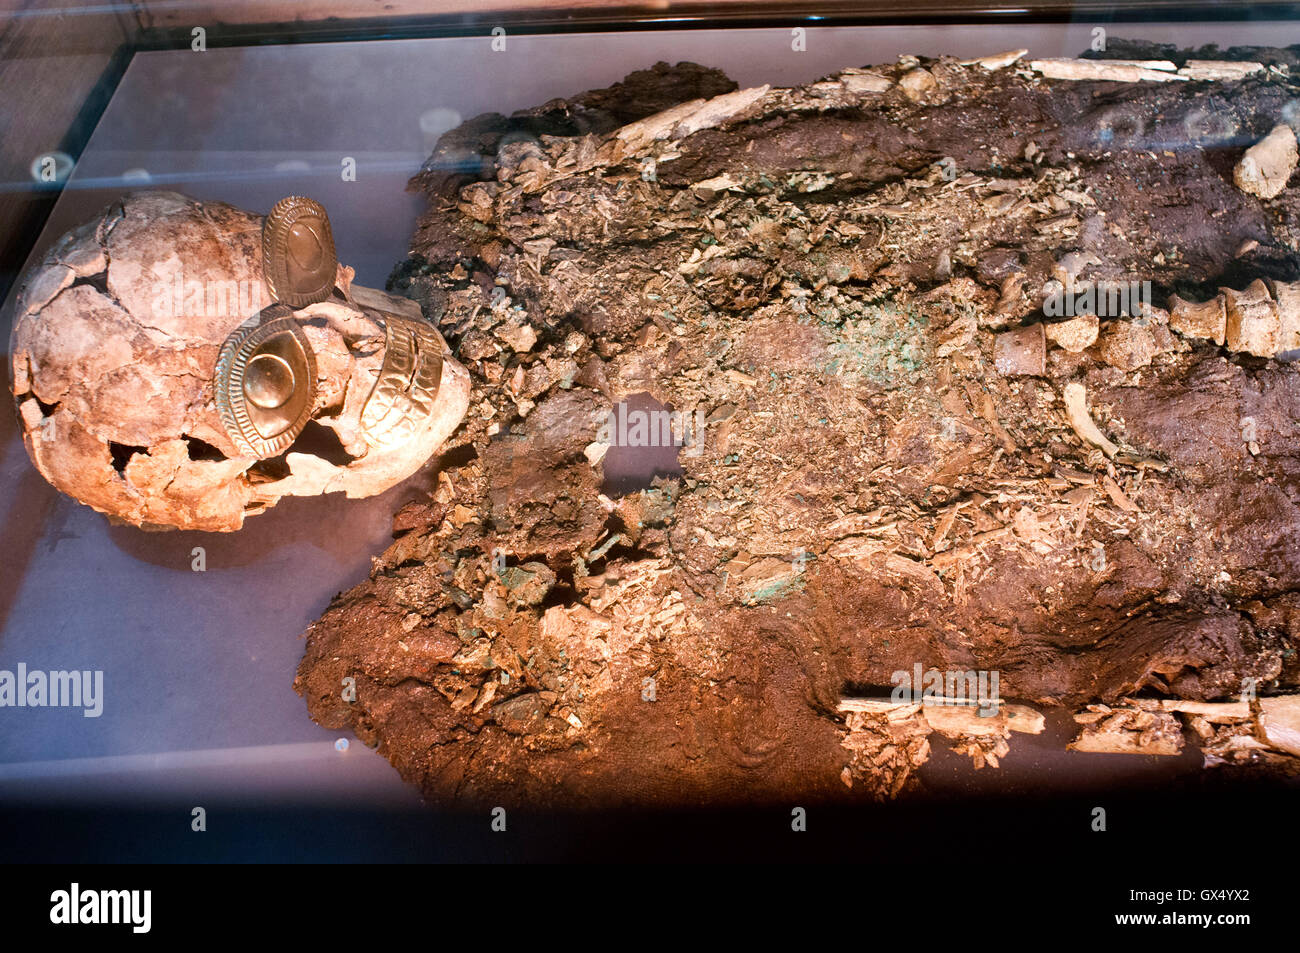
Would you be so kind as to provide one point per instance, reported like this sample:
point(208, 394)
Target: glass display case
point(967, 329)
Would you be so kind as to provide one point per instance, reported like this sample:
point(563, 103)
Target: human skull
point(127, 337)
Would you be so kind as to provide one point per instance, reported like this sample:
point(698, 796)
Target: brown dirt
point(832, 314)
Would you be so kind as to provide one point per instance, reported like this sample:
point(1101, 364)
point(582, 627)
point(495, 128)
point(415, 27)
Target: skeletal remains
point(157, 382)
point(1263, 319)
point(162, 413)
point(1225, 731)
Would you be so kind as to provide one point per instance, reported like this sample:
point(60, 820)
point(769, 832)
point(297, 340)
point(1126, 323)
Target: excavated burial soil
point(870, 490)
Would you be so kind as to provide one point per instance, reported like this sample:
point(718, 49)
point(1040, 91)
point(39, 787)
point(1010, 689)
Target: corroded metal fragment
point(403, 397)
point(298, 257)
point(265, 383)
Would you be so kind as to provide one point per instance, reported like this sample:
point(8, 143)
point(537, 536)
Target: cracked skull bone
point(113, 356)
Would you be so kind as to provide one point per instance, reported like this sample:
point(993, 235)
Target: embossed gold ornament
point(404, 394)
point(298, 257)
point(265, 383)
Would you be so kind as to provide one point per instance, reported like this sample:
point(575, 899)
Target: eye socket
point(265, 383)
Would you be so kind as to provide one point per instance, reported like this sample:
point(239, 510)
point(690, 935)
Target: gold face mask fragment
point(403, 397)
point(298, 257)
point(266, 383)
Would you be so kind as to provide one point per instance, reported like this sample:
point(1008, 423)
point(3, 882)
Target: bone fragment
point(1076, 411)
point(1119, 71)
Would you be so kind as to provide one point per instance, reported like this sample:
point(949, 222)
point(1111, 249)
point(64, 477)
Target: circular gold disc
point(265, 383)
point(268, 381)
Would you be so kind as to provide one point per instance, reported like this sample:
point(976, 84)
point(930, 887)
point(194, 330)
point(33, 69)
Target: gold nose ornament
point(266, 383)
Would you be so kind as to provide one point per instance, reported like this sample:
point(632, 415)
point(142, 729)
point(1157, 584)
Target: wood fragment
point(682, 120)
point(1211, 711)
point(1222, 70)
point(864, 81)
point(942, 528)
point(1127, 731)
point(1074, 476)
point(1279, 718)
point(1117, 495)
point(983, 402)
point(969, 548)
